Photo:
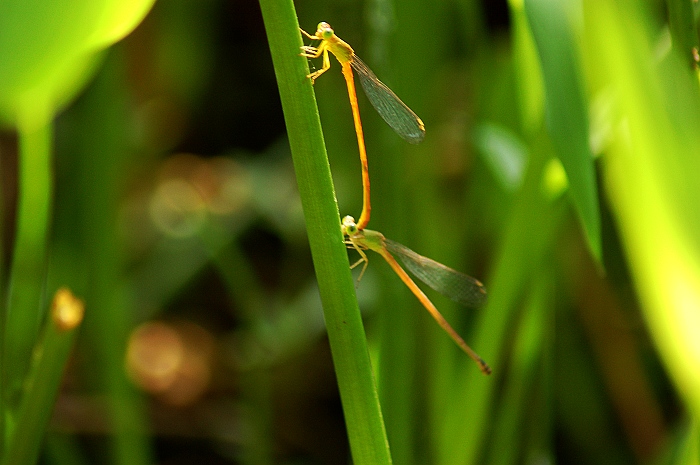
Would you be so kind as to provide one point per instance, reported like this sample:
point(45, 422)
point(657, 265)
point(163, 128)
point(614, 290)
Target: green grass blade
point(358, 393)
point(527, 68)
point(524, 377)
point(44, 379)
point(566, 109)
point(525, 245)
point(684, 34)
point(103, 153)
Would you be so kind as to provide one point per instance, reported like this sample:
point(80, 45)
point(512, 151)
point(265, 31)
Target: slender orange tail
point(366, 206)
point(434, 311)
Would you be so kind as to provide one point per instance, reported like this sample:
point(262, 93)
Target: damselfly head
point(348, 226)
point(324, 30)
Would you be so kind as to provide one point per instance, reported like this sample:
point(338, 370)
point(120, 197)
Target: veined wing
point(390, 107)
point(459, 287)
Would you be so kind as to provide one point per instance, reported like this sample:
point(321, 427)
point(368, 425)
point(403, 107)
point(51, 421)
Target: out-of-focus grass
point(47, 53)
point(651, 157)
point(177, 220)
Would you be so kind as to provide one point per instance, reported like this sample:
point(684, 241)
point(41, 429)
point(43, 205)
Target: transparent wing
point(396, 113)
point(451, 283)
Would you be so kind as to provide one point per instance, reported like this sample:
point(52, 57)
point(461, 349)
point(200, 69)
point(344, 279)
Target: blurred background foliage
point(559, 167)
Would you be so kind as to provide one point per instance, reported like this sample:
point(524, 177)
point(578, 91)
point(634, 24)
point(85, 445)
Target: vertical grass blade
point(363, 417)
point(44, 379)
point(526, 243)
point(103, 153)
point(567, 111)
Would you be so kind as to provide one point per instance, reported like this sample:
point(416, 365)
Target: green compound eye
point(348, 226)
point(325, 30)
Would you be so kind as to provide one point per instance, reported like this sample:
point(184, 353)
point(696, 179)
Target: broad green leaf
point(49, 48)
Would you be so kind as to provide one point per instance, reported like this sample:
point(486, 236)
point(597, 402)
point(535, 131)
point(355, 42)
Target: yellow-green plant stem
point(27, 272)
point(366, 432)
